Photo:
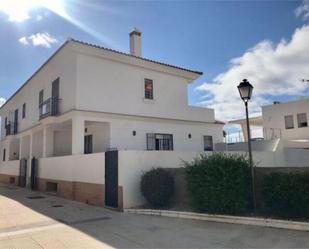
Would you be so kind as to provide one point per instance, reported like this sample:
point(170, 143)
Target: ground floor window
point(208, 144)
point(156, 141)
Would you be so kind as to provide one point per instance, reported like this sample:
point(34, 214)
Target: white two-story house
point(88, 99)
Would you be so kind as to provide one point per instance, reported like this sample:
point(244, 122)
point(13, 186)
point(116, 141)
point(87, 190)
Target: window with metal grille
point(302, 120)
point(157, 141)
point(148, 86)
point(208, 144)
point(289, 122)
point(24, 111)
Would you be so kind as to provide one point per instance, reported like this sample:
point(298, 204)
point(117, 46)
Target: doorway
point(88, 149)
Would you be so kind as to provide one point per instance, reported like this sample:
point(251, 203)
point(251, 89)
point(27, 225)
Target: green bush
point(157, 186)
point(286, 195)
point(220, 183)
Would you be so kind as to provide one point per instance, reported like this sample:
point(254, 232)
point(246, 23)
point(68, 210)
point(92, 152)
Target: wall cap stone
point(264, 222)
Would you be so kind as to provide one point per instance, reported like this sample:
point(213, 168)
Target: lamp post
point(245, 91)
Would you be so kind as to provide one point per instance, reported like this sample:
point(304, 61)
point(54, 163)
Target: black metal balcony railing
point(11, 128)
point(49, 107)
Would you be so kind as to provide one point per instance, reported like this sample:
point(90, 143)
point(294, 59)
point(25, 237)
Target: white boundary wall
point(10, 168)
point(132, 164)
point(78, 168)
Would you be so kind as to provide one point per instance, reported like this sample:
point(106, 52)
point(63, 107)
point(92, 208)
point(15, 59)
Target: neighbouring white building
point(88, 99)
point(285, 132)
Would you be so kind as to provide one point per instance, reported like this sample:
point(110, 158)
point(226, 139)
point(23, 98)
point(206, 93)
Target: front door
point(88, 144)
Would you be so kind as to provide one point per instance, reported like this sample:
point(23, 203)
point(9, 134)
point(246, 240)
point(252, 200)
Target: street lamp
point(245, 91)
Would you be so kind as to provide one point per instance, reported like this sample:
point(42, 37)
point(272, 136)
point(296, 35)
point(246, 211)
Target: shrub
point(286, 195)
point(220, 183)
point(157, 186)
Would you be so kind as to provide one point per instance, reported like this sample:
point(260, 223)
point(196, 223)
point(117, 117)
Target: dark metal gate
point(22, 173)
point(34, 173)
point(111, 179)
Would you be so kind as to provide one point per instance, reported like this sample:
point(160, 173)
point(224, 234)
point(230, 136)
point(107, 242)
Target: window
point(289, 122)
point(24, 111)
point(148, 85)
point(3, 156)
point(302, 120)
point(208, 145)
point(6, 121)
point(159, 141)
point(41, 97)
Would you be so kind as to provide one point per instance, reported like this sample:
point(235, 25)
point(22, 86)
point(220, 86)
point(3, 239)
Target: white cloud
point(24, 41)
point(273, 70)
point(39, 18)
point(39, 40)
point(303, 10)
point(2, 101)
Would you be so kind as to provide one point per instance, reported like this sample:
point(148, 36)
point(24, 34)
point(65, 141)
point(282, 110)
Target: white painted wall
point(62, 143)
point(122, 127)
point(10, 168)
point(78, 168)
point(111, 86)
point(123, 139)
point(100, 136)
point(93, 79)
point(63, 65)
point(132, 164)
point(273, 117)
point(37, 144)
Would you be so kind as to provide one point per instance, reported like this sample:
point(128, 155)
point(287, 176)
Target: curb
point(264, 222)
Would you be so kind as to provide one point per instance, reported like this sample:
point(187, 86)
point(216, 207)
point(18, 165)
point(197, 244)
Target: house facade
point(285, 135)
point(289, 120)
point(88, 99)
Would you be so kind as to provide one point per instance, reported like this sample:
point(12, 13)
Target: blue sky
point(201, 35)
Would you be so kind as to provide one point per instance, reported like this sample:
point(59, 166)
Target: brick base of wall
point(89, 193)
point(9, 179)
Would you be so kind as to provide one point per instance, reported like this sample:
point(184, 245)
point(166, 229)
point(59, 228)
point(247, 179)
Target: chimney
point(135, 42)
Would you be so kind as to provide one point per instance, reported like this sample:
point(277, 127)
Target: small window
point(41, 97)
point(3, 156)
point(159, 141)
point(6, 121)
point(24, 111)
point(289, 122)
point(148, 89)
point(208, 144)
point(302, 120)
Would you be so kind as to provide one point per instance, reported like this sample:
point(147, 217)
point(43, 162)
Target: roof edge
point(137, 57)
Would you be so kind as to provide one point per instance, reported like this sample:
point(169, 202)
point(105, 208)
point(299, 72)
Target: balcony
point(11, 128)
point(49, 107)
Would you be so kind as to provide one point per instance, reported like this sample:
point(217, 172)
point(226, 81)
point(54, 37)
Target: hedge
point(286, 195)
point(220, 183)
point(157, 186)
